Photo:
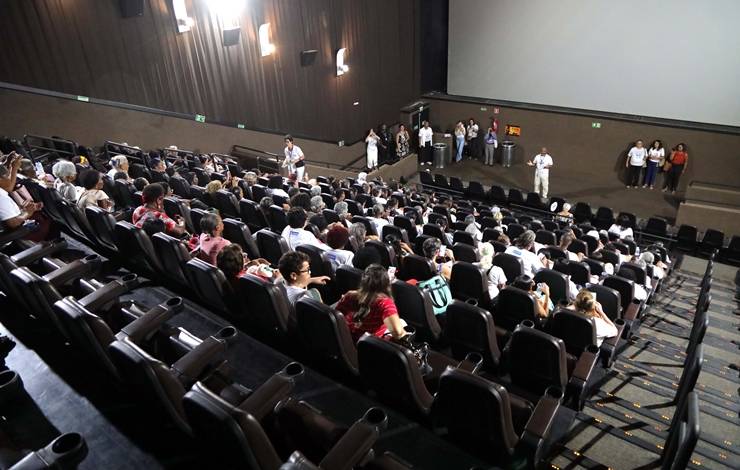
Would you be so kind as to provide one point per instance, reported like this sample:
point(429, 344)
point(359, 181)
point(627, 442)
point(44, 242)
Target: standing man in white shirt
point(542, 163)
point(294, 159)
point(425, 143)
point(636, 159)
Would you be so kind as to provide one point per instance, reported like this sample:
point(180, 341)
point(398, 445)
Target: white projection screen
point(674, 59)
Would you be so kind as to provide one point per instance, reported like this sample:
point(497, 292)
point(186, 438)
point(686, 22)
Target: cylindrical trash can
point(441, 154)
point(507, 153)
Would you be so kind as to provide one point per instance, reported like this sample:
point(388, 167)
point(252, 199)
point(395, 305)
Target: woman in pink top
point(210, 241)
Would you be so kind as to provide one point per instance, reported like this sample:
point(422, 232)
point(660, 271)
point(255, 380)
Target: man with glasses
point(294, 267)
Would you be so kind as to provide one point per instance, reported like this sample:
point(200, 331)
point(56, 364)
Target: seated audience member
point(495, 275)
point(232, 261)
point(11, 215)
point(265, 204)
point(379, 218)
point(153, 207)
point(641, 293)
point(275, 187)
point(295, 234)
point(565, 242)
point(473, 228)
point(296, 271)
point(159, 166)
point(565, 215)
point(370, 309)
point(357, 236)
point(139, 183)
point(65, 174)
point(442, 261)
point(540, 292)
point(365, 257)
point(213, 186)
point(586, 305)
point(210, 242)
point(448, 236)
point(118, 163)
point(317, 218)
point(93, 194)
point(531, 263)
point(621, 227)
point(301, 200)
point(503, 238)
point(342, 211)
point(337, 238)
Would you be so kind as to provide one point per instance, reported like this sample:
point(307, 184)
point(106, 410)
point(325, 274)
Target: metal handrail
point(276, 158)
point(33, 148)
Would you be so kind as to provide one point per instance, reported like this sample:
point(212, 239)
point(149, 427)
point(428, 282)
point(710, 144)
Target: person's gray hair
point(648, 257)
point(378, 210)
point(317, 204)
point(117, 161)
point(566, 206)
point(315, 190)
point(27, 165)
point(431, 246)
point(63, 169)
point(525, 239)
point(341, 208)
point(358, 231)
point(469, 219)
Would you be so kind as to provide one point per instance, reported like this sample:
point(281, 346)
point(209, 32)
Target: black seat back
point(347, 278)
point(576, 330)
point(638, 271)
point(140, 253)
point(556, 281)
point(325, 334)
point(103, 225)
point(468, 281)
point(238, 232)
point(269, 312)
point(278, 219)
point(510, 264)
point(470, 328)
point(513, 307)
point(209, 283)
point(251, 214)
point(465, 252)
point(625, 287)
point(415, 307)
point(227, 203)
point(173, 255)
point(271, 246)
point(537, 360)
point(610, 300)
point(417, 267)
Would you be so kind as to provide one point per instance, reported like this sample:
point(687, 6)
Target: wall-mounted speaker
point(308, 57)
point(231, 36)
point(132, 8)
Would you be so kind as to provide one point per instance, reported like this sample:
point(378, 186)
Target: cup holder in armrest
point(293, 370)
point(555, 392)
point(376, 417)
point(527, 324)
point(227, 333)
point(473, 302)
point(592, 348)
point(11, 386)
point(64, 452)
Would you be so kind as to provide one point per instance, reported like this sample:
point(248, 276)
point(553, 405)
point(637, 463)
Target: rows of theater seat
point(471, 340)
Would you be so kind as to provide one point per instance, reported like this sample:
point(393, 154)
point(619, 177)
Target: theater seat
point(465, 252)
point(510, 264)
point(271, 246)
point(386, 252)
point(102, 224)
point(417, 267)
point(93, 334)
point(165, 386)
point(537, 360)
point(626, 289)
point(227, 203)
point(471, 329)
point(268, 313)
point(545, 237)
point(406, 224)
point(210, 284)
point(176, 207)
point(251, 214)
point(174, 255)
point(468, 281)
point(325, 334)
point(415, 307)
point(238, 232)
point(278, 219)
point(481, 417)
point(139, 251)
point(396, 231)
point(513, 306)
point(556, 281)
point(347, 278)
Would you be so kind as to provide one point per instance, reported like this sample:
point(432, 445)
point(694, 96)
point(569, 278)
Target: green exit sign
point(84, 99)
point(240, 126)
point(200, 118)
point(596, 125)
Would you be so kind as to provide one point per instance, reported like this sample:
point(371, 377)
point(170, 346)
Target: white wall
point(677, 59)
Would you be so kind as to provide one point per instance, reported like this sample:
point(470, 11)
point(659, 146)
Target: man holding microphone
point(542, 163)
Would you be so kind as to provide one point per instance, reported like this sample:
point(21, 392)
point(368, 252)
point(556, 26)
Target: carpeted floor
point(571, 186)
point(635, 398)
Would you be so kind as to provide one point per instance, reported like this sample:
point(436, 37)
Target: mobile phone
point(442, 250)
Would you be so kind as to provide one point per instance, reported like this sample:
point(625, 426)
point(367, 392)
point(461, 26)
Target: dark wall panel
point(85, 47)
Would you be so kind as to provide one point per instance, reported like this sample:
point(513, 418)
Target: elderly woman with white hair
point(495, 275)
point(119, 163)
point(65, 175)
point(342, 210)
point(564, 215)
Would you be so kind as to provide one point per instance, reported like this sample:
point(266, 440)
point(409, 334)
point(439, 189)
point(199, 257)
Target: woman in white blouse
point(372, 149)
point(656, 158)
point(586, 305)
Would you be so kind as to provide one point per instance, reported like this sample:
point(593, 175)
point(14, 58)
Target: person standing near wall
point(425, 143)
point(491, 146)
point(372, 149)
point(473, 138)
point(636, 159)
point(402, 142)
point(385, 155)
point(677, 164)
point(542, 163)
point(459, 140)
point(656, 158)
point(294, 159)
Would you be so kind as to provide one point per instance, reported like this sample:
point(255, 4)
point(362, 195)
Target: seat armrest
point(51, 264)
point(355, 446)
point(74, 270)
point(189, 367)
point(263, 400)
point(472, 363)
point(579, 379)
point(7, 236)
point(632, 311)
point(144, 327)
point(608, 348)
point(37, 252)
point(114, 289)
point(537, 430)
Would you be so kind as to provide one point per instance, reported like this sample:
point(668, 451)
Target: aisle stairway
point(624, 425)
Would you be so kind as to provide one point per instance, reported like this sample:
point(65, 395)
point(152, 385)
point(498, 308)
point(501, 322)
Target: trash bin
point(507, 153)
point(441, 155)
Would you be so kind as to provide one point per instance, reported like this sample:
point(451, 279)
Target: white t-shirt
point(339, 258)
point(496, 277)
point(299, 236)
point(656, 154)
point(292, 157)
point(531, 263)
point(637, 156)
point(378, 224)
point(541, 161)
point(604, 330)
point(8, 208)
point(472, 131)
point(372, 142)
point(425, 135)
point(627, 232)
